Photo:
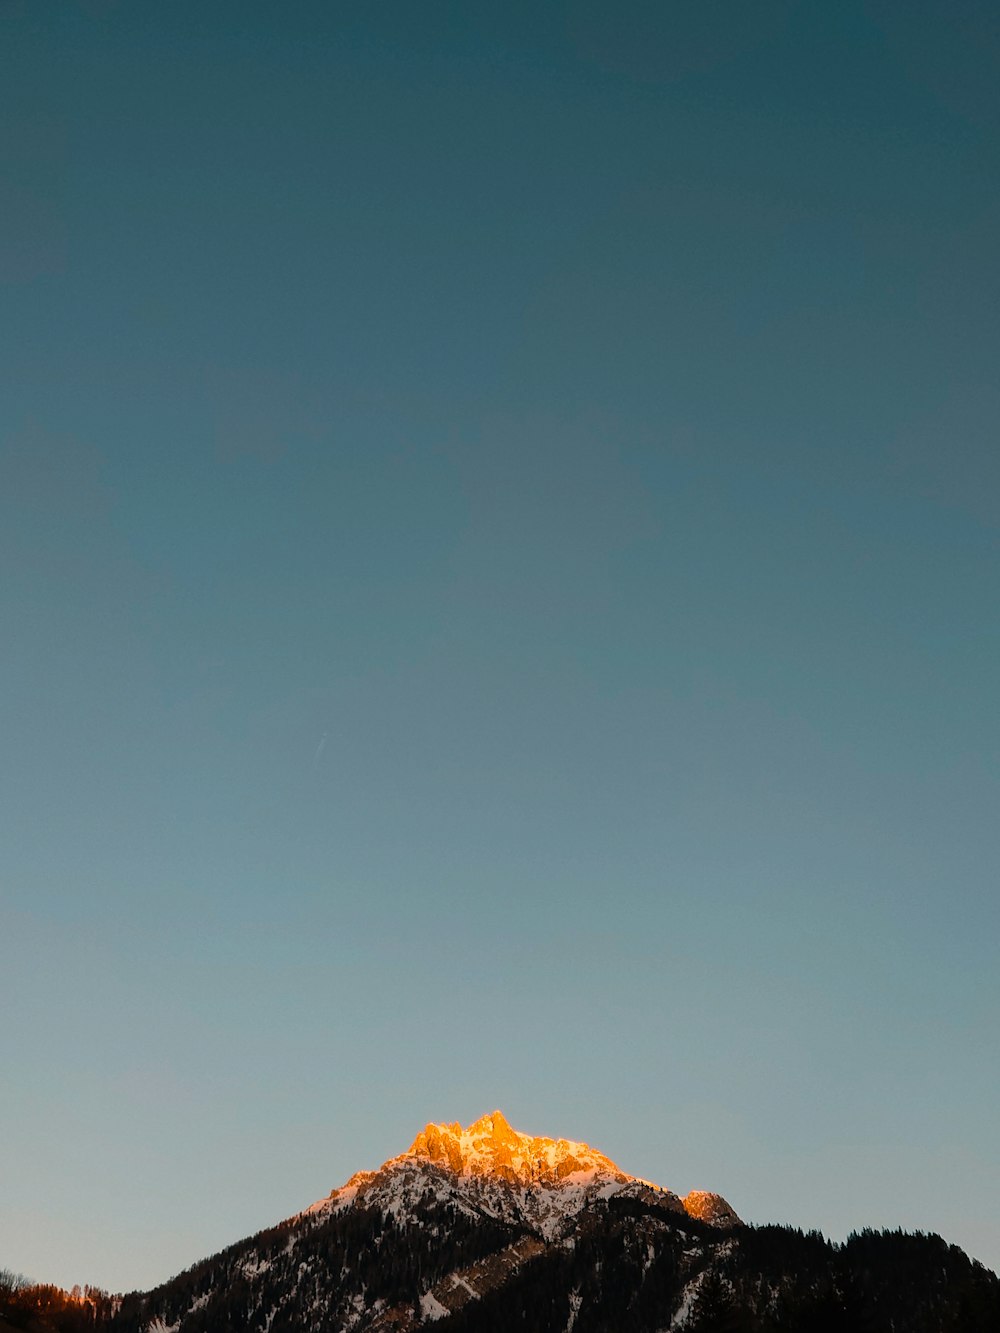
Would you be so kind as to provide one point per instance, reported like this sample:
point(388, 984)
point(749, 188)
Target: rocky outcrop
point(711, 1208)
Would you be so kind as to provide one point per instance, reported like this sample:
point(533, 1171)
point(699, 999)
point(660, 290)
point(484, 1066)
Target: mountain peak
point(489, 1168)
point(495, 1123)
point(491, 1147)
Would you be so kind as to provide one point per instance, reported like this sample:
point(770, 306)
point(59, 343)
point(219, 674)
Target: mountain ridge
point(495, 1169)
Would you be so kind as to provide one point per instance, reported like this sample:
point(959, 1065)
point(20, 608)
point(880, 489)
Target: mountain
point(492, 1171)
point(487, 1230)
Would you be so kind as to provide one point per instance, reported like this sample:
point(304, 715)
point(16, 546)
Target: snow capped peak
point(490, 1147)
point(491, 1169)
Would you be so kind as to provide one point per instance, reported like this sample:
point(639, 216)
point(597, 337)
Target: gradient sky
point(499, 521)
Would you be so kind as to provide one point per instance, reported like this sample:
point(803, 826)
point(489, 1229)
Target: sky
point(499, 582)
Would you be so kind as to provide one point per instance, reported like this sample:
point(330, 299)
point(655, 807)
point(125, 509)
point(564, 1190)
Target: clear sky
point(499, 595)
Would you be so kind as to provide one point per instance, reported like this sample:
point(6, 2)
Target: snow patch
point(431, 1308)
point(683, 1312)
point(575, 1301)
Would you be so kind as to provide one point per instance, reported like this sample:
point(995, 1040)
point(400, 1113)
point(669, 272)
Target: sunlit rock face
point(711, 1208)
point(489, 1147)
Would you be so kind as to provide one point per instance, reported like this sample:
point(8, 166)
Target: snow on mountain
point(490, 1169)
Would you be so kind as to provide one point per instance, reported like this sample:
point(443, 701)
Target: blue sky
point(498, 521)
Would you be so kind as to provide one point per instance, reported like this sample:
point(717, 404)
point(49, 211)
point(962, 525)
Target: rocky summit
point(490, 1147)
point(493, 1169)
